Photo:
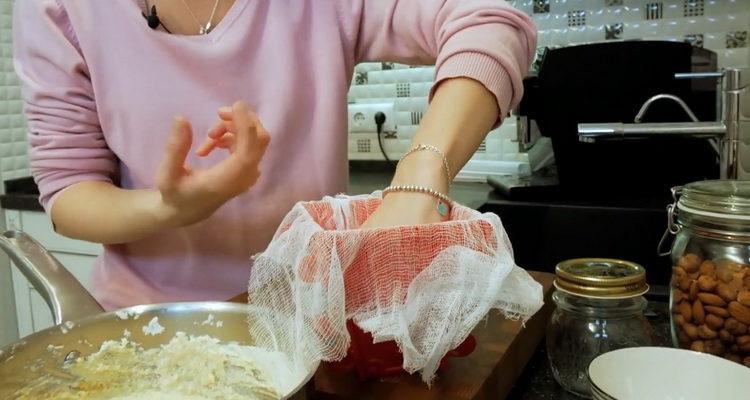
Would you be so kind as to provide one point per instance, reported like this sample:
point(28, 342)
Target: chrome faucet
point(729, 136)
point(639, 117)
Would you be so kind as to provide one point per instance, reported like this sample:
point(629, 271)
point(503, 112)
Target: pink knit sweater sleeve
point(66, 140)
point(486, 40)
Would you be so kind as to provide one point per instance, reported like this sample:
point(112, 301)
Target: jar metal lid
point(602, 278)
point(717, 199)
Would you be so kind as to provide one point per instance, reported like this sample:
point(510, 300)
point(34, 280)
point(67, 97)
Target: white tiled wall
point(13, 158)
point(11, 131)
point(719, 25)
point(408, 88)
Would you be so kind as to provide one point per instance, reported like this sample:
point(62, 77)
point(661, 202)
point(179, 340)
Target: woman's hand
point(423, 168)
point(187, 195)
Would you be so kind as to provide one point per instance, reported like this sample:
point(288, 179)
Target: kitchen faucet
point(732, 131)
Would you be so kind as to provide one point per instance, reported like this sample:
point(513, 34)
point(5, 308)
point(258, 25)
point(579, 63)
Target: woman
point(179, 222)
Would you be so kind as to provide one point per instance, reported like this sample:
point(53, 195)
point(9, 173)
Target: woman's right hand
point(186, 195)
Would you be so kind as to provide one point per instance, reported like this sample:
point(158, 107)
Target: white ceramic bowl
point(646, 373)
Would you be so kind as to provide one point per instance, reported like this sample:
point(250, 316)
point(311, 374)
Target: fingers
point(206, 147)
point(220, 128)
point(225, 113)
point(217, 130)
point(227, 141)
point(245, 124)
point(178, 146)
point(238, 128)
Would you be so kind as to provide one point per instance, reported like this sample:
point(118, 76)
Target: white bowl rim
point(697, 354)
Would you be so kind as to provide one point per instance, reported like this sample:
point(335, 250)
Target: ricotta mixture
point(187, 368)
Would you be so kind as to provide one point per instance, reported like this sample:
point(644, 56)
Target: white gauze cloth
point(425, 287)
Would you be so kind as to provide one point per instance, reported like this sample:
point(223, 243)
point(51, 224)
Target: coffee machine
point(626, 122)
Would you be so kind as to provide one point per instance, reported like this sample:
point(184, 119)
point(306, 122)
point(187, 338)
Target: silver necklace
point(203, 28)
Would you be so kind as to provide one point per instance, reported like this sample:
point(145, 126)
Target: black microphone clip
point(152, 19)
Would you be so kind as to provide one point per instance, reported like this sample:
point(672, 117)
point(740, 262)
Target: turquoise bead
point(442, 208)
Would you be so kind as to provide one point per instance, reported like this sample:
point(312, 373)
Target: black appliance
point(610, 82)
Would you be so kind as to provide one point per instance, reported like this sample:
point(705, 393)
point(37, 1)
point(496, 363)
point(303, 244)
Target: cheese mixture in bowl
point(186, 368)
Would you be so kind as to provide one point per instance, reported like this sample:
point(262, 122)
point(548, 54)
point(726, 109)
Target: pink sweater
point(101, 87)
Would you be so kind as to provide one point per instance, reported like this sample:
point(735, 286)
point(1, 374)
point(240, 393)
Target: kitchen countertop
point(537, 382)
point(21, 194)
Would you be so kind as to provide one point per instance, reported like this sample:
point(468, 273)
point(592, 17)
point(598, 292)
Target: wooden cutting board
point(503, 349)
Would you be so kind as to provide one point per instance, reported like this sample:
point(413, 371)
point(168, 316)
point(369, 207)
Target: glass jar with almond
point(710, 286)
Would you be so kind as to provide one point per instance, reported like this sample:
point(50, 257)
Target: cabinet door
point(80, 265)
point(41, 315)
point(20, 284)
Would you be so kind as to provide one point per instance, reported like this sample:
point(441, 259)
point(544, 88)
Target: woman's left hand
point(402, 208)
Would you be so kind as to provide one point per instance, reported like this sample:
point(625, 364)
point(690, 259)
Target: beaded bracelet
point(444, 202)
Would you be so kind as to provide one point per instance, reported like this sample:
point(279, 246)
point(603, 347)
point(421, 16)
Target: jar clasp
point(673, 227)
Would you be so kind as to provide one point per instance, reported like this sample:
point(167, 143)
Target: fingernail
point(225, 109)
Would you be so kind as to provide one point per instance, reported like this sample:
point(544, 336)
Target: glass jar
point(599, 308)
point(710, 285)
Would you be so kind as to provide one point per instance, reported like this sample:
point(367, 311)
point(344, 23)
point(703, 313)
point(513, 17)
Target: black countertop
point(531, 225)
point(21, 194)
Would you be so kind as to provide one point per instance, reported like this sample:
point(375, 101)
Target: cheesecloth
point(424, 287)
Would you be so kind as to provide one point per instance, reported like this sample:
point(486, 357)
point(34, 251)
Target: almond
point(714, 347)
point(690, 262)
point(718, 311)
point(711, 299)
point(746, 282)
point(744, 298)
point(731, 325)
point(686, 311)
point(726, 292)
point(713, 321)
point(743, 342)
point(725, 270)
point(739, 312)
point(707, 333)
point(707, 268)
point(684, 283)
point(736, 282)
point(693, 294)
point(690, 330)
point(678, 296)
point(707, 283)
point(683, 338)
point(699, 314)
point(677, 274)
point(698, 345)
point(726, 336)
point(680, 320)
point(734, 348)
point(734, 358)
point(746, 361)
point(735, 327)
